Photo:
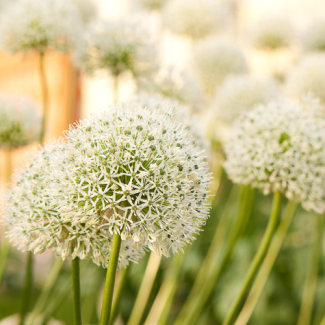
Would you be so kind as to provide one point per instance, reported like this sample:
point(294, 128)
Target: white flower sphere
point(117, 46)
point(308, 78)
point(177, 85)
point(239, 94)
point(314, 36)
point(20, 123)
point(192, 122)
point(136, 172)
point(280, 147)
point(35, 224)
point(272, 33)
point(39, 25)
point(194, 18)
point(214, 60)
point(152, 4)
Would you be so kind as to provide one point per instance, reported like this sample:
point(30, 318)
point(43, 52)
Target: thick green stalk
point(75, 273)
point(45, 96)
point(267, 265)
point(262, 250)
point(308, 296)
point(145, 289)
point(26, 296)
point(118, 294)
point(214, 265)
point(44, 296)
point(110, 280)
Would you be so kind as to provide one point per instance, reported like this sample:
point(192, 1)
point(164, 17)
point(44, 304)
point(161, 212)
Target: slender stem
point(273, 221)
point(198, 298)
point(27, 288)
point(323, 321)
point(75, 273)
point(45, 96)
point(115, 88)
point(44, 296)
point(110, 280)
point(312, 273)
point(5, 244)
point(118, 294)
point(145, 289)
point(267, 265)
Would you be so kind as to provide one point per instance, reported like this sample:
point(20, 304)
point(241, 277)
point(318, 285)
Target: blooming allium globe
point(34, 222)
point(20, 122)
point(280, 147)
point(135, 172)
point(39, 25)
point(307, 78)
point(239, 94)
point(194, 18)
point(117, 46)
point(215, 59)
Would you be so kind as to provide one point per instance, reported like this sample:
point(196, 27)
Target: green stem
point(115, 88)
point(323, 321)
point(277, 200)
point(44, 296)
point(5, 244)
point(110, 280)
point(26, 296)
point(75, 273)
point(209, 276)
point(312, 273)
point(45, 96)
point(118, 294)
point(267, 265)
point(145, 289)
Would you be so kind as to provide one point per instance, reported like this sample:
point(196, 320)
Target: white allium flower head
point(87, 10)
point(39, 25)
point(34, 222)
point(182, 114)
point(239, 94)
point(280, 147)
point(152, 4)
point(20, 122)
point(117, 46)
point(272, 33)
point(215, 59)
point(176, 84)
point(308, 78)
point(137, 173)
point(314, 36)
point(194, 18)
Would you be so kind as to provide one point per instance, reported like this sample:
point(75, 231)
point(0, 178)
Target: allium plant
point(280, 147)
point(239, 94)
point(152, 4)
point(39, 25)
point(308, 78)
point(272, 33)
point(176, 85)
point(195, 19)
point(20, 122)
point(214, 60)
point(314, 36)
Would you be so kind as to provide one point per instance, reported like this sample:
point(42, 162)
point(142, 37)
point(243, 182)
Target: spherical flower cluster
point(314, 37)
point(136, 172)
point(182, 114)
point(308, 78)
point(280, 147)
point(34, 222)
point(239, 94)
point(194, 18)
point(117, 46)
point(39, 25)
point(20, 123)
point(152, 4)
point(215, 59)
point(272, 33)
point(177, 85)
